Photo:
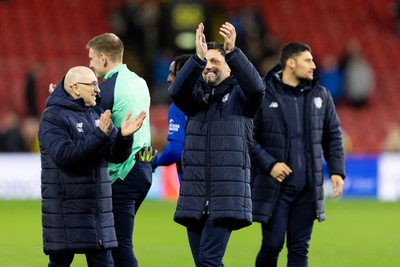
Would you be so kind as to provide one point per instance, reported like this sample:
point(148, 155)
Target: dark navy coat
point(216, 157)
point(76, 190)
point(323, 137)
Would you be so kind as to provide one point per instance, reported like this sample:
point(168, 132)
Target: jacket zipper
point(97, 183)
point(208, 185)
point(298, 129)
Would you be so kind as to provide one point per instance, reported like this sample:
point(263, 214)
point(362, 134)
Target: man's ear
point(103, 59)
point(75, 89)
point(291, 62)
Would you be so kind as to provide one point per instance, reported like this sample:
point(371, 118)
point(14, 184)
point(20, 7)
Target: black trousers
point(128, 195)
point(294, 216)
point(208, 242)
point(94, 258)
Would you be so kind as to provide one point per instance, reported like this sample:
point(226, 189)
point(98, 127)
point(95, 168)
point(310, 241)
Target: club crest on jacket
point(318, 102)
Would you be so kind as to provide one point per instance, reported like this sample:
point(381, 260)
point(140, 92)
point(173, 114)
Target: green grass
point(356, 234)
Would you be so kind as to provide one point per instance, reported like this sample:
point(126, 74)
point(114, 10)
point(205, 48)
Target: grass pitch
point(358, 233)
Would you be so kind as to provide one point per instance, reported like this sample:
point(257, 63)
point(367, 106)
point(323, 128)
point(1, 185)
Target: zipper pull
point(206, 208)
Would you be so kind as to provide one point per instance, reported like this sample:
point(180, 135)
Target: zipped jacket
point(322, 138)
point(216, 156)
point(76, 189)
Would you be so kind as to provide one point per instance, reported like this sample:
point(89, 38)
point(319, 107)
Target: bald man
point(76, 144)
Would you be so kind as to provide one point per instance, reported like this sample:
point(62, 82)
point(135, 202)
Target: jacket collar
point(274, 78)
point(60, 97)
point(114, 70)
point(222, 88)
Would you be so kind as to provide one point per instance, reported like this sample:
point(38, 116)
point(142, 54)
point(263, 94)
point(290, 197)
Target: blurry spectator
point(137, 24)
point(271, 49)
point(128, 22)
point(359, 77)
point(159, 71)
point(29, 130)
point(395, 12)
point(391, 143)
point(347, 142)
point(31, 88)
point(250, 29)
point(11, 139)
point(332, 76)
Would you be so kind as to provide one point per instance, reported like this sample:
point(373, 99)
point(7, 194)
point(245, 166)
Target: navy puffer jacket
point(323, 137)
point(76, 190)
point(216, 157)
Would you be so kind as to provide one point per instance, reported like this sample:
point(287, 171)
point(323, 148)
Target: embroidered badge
point(273, 105)
point(79, 127)
point(318, 102)
point(225, 98)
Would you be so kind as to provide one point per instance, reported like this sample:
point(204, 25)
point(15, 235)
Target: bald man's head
point(77, 74)
point(81, 82)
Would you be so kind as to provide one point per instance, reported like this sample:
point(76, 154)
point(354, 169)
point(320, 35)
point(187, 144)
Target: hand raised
point(129, 127)
point(201, 44)
point(228, 32)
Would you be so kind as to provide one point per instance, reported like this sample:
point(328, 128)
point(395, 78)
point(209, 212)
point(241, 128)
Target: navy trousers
point(294, 216)
point(94, 258)
point(128, 195)
point(208, 242)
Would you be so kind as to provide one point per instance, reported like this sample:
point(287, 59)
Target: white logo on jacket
point(173, 127)
point(273, 105)
point(79, 127)
point(318, 102)
point(225, 98)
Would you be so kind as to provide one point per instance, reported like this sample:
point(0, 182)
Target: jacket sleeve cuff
point(271, 166)
point(124, 137)
point(232, 53)
point(199, 62)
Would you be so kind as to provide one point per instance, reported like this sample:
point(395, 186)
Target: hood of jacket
point(274, 77)
point(60, 97)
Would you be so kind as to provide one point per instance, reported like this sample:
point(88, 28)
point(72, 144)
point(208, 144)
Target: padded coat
point(323, 137)
point(216, 157)
point(76, 190)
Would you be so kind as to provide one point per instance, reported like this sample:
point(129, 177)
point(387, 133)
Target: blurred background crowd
point(355, 44)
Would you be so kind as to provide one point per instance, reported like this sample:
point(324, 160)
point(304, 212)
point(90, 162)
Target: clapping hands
point(228, 32)
point(105, 122)
point(129, 127)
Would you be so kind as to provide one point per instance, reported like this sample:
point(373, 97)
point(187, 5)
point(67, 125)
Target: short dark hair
point(292, 50)
point(179, 62)
point(217, 46)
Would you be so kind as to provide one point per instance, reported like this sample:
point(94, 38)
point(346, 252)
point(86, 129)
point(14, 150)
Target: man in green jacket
point(121, 91)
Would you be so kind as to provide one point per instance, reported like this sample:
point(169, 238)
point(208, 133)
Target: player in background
point(176, 125)
point(295, 126)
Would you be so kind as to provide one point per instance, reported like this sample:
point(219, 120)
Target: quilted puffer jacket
point(76, 190)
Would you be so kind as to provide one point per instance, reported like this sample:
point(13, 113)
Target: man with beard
point(295, 126)
point(219, 91)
